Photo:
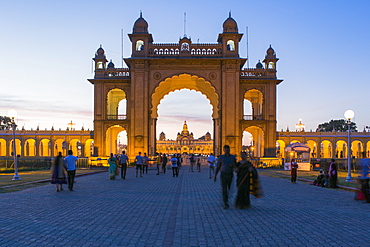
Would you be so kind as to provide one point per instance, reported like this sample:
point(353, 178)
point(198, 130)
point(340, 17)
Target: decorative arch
point(44, 147)
point(280, 149)
point(2, 147)
point(258, 143)
point(111, 136)
point(313, 148)
point(114, 101)
point(184, 81)
point(255, 97)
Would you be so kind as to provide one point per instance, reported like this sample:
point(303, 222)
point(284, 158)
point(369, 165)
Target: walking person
point(247, 178)
point(164, 163)
point(293, 171)
point(112, 161)
point(58, 175)
point(139, 164)
point(211, 160)
point(145, 163)
point(123, 160)
point(333, 174)
point(175, 168)
point(198, 162)
point(225, 165)
point(179, 161)
point(192, 163)
point(70, 161)
point(158, 162)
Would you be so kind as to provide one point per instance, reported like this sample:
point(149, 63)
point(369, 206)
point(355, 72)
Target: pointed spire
point(230, 14)
point(141, 14)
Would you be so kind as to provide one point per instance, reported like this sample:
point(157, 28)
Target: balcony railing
point(116, 117)
point(253, 117)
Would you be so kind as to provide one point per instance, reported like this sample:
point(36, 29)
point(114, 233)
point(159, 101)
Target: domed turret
point(111, 65)
point(259, 65)
point(140, 25)
point(270, 53)
point(100, 51)
point(230, 25)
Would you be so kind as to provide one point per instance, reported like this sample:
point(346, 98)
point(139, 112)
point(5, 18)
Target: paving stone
point(186, 211)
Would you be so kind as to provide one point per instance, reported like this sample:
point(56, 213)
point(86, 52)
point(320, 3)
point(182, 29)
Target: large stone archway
point(216, 70)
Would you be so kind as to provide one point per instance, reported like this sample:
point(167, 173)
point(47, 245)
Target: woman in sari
point(58, 176)
point(112, 166)
point(247, 182)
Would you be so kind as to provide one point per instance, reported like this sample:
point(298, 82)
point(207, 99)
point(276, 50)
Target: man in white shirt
point(70, 162)
point(139, 164)
point(211, 164)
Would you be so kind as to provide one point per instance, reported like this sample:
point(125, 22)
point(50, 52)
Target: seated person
point(319, 178)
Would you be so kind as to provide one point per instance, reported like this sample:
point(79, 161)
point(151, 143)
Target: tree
point(336, 125)
point(5, 123)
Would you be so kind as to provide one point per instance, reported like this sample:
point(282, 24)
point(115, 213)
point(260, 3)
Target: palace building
point(185, 143)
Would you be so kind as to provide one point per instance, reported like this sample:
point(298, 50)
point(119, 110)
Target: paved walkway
point(184, 211)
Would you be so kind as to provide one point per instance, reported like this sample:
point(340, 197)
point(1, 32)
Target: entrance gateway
point(155, 70)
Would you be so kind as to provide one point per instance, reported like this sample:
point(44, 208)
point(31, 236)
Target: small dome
point(259, 65)
point(100, 51)
point(230, 25)
point(111, 65)
point(140, 25)
point(270, 51)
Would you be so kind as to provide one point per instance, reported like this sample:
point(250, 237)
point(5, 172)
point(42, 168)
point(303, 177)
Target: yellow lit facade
point(185, 143)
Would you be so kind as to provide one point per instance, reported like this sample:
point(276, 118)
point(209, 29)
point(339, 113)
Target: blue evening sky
point(48, 46)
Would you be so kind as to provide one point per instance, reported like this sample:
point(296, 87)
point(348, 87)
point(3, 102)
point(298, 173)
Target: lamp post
point(349, 114)
point(13, 114)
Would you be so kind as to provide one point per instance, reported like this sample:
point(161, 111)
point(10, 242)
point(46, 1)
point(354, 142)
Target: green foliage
point(5, 123)
point(336, 125)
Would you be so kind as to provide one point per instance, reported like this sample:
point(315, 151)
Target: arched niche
point(115, 108)
point(255, 97)
point(111, 137)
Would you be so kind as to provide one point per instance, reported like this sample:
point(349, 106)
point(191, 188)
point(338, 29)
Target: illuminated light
point(12, 113)
point(349, 114)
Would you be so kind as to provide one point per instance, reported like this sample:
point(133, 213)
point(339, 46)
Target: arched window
point(139, 45)
point(230, 45)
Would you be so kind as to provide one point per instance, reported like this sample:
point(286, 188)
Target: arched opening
point(326, 149)
point(257, 141)
point(280, 149)
point(30, 149)
point(180, 89)
point(341, 149)
point(254, 108)
point(230, 45)
point(368, 149)
point(89, 147)
point(139, 45)
point(187, 127)
point(18, 147)
point(75, 146)
point(313, 148)
point(44, 149)
point(116, 110)
point(357, 149)
point(122, 142)
point(2, 147)
point(60, 146)
point(111, 139)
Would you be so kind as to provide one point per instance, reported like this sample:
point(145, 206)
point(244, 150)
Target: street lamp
point(13, 114)
point(349, 114)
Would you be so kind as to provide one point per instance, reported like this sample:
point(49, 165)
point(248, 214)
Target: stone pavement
point(184, 211)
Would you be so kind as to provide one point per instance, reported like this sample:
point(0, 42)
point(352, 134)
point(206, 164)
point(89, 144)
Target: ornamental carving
point(157, 75)
point(212, 76)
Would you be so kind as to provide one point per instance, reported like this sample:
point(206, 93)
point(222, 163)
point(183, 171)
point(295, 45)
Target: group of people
point(59, 168)
point(247, 178)
point(328, 177)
